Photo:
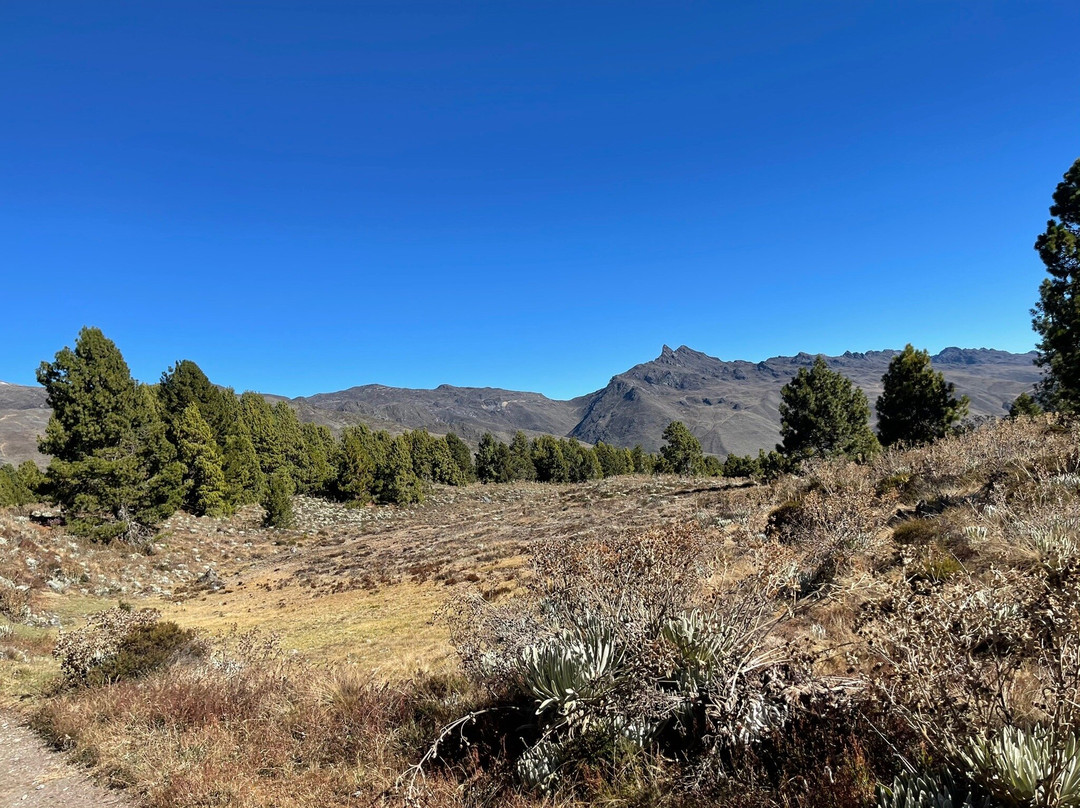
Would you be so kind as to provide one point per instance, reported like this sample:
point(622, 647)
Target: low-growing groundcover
point(867, 650)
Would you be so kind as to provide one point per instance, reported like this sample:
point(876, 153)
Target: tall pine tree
point(113, 471)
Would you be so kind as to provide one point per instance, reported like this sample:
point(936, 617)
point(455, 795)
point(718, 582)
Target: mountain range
point(731, 406)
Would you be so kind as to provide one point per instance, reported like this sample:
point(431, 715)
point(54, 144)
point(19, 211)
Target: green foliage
point(492, 460)
point(1025, 406)
point(245, 482)
point(184, 384)
point(459, 451)
point(360, 455)
point(613, 462)
point(432, 460)
point(522, 466)
point(682, 451)
point(395, 481)
point(918, 532)
point(923, 791)
point(113, 471)
point(17, 485)
point(822, 414)
point(1056, 317)
point(581, 462)
point(320, 450)
point(917, 404)
point(278, 501)
point(550, 463)
point(643, 462)
point(736, 466)
point(205, 491)
point(145, 649)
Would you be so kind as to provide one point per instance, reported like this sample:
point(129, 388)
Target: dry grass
point(353, 592)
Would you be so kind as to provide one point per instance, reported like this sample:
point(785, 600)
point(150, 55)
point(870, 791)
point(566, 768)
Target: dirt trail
point(33, 776)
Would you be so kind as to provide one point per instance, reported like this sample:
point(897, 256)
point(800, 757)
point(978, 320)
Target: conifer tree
point(245, 482)
point(1024, 406)
point(581, 462)
point(613, 462)
point(521, 459)
point(681, 450)
point(320, 449)
point(205, 492)
point(492, 460)
point(549, 461)
point(113, 471)
point(917, 404)
point(822, 414)
point(459, 450)
point(642, 462)
point(396, 481)
point(359, 457)
point(277, 502)
point(185, 383)
point(1056, 317)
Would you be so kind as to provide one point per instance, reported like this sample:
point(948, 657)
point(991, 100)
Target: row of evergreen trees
point(127, 455)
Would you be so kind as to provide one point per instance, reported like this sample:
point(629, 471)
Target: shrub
point(86, 649)
point(146, 648)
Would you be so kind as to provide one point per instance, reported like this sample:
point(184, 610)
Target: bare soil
point(33, 776)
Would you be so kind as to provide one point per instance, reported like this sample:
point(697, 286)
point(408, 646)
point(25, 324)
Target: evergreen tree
point(549, 461)
point(396, 482)
point(113, 470)
point(359, 457)
point(289, 437)
point(258, 423)
point(459, 450)
point(205, 492)
point(1056, 317)
point(581, 461)
point(492, 460)
point(185, 383)
point(32, 479)
point(319, 449)
point(277, 502)
point(613, 462)
point(521, 459)
point(643, 462)
point(245, 482)
point(1025, 406)
point(682, 451)
point(736, 466)
point(917, 405)
point(822, 414)
point(13, 488)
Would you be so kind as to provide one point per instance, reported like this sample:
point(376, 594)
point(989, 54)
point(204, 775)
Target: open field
point(888, 612)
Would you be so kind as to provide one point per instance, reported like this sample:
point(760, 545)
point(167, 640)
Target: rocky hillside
point(23, 416)
point(732, 407)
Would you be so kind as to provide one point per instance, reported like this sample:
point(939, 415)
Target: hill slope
point(732, 407)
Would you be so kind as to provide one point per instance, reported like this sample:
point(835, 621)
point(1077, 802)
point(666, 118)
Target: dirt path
point(32, 776)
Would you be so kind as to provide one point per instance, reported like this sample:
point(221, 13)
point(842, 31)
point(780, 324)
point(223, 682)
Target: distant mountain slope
point(23, 416)
point(732, 407)
point(468, 411)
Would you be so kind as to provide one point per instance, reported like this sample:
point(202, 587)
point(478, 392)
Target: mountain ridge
point(730, 405)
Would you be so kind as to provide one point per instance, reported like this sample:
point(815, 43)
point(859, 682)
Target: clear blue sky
point(304, 196)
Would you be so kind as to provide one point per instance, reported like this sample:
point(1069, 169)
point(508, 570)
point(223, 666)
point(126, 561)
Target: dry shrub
point(249, 725)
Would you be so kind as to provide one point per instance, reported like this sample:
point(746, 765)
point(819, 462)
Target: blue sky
point(304, 196)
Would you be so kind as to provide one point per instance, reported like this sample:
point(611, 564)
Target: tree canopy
point(917, 404)
point(823, 414)
point(1056, 317)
